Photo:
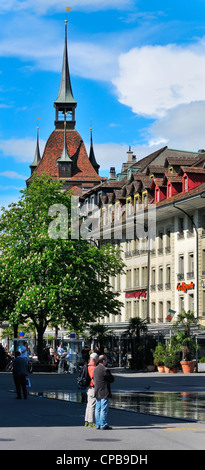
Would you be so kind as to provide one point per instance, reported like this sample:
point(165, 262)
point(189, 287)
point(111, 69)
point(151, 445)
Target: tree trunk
point(40, 330)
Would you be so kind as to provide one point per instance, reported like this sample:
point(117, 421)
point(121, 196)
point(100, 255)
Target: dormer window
point(169, 190)
point(185, 184)
point(144, 198)
point(129, 206)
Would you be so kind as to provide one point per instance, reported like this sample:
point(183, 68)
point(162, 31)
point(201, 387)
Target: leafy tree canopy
point(46, 280)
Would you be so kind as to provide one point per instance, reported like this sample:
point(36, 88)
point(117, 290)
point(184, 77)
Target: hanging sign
point(184, 287)
point(136, 294)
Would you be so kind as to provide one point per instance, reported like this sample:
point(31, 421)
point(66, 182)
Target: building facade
point(169, 276)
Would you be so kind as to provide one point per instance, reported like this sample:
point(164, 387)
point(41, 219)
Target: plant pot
point(151, 368)
point(174, 370)
point(167, 370)
point(161, 369)
point(188, 366)
point(201, 367)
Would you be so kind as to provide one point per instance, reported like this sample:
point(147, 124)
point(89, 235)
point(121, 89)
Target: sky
point(137, 71)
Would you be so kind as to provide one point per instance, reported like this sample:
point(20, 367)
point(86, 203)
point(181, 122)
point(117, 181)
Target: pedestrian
point(19, 374)
point(85, 354)
point(91, 400)
point(60, 350)
point(24, 352)
point(102, 380)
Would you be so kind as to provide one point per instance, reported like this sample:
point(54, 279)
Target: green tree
point(47, 280)
point(135, 328)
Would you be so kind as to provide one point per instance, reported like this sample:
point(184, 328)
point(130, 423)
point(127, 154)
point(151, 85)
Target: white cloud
point(13, 175)
point(181, 128)
point(22, 150)
point(154, 79)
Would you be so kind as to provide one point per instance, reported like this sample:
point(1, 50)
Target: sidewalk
point(46, 424)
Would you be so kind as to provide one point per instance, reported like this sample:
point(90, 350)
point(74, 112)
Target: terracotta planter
point(161, 369)
point(188, 366)
point(174, 370)
point(167, 370)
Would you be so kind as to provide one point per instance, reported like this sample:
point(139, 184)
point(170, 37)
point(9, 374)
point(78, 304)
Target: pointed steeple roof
point(92, 154)
point(65, 94)
point(37, 156)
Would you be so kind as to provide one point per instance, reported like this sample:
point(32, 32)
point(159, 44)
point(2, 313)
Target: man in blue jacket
point(102, 380)
point(19, 374)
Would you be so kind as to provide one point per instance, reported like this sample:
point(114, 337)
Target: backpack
point(83, 378)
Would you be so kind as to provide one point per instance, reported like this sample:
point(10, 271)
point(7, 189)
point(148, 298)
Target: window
point(144, 309)
point(153, 279)
point(160, 285)
point(190, 273)
point(181, 304)
point(157, 195)
point(181, 268)
point(136, 308)
point(136, 277)
point(185, 184)
point(168, 277)
point(161, 311)
point(136, 199)
point(181, 227)
point(168, 244)
point(144, 276)
point(128, 278)
point(128, 309)
point(129, 207)
point(191, 302)
point(145, 198)
point(153, 312)
point(169, 190)
point(117, 211)
point(160, 242)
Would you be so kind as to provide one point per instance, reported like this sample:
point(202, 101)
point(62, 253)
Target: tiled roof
point(179, 196)
point(82, 169)
point(188, 169)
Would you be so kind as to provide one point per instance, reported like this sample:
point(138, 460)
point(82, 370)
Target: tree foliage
point(46, 280)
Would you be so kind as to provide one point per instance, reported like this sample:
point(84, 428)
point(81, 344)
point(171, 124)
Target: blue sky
point(137, 71)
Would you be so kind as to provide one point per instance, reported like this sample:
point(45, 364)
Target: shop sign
point(136, 294)
point(184, 287)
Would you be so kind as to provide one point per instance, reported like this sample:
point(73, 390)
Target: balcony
point(180, 235)
point(190, 275)
point(180, 276)
point(168, 285)
point(160, 251)
point(160, 286)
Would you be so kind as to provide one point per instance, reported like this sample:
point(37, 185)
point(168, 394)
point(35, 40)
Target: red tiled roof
point(188, 169)
point(82, 169)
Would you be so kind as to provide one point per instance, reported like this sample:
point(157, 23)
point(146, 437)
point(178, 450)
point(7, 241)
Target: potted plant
point(186, 340)
point(201, 364)
point(172, 362)
point(159, 355)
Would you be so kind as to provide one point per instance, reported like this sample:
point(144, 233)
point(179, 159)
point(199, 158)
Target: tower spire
point(37, 156)
point(65, 101)
point(92, 154)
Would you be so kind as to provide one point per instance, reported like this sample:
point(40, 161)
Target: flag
point(68, 9)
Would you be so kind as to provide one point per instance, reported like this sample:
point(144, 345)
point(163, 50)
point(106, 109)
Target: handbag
point(28, 383)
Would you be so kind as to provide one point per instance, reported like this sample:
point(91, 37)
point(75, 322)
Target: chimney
point(112, 173)
point(130, 157)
